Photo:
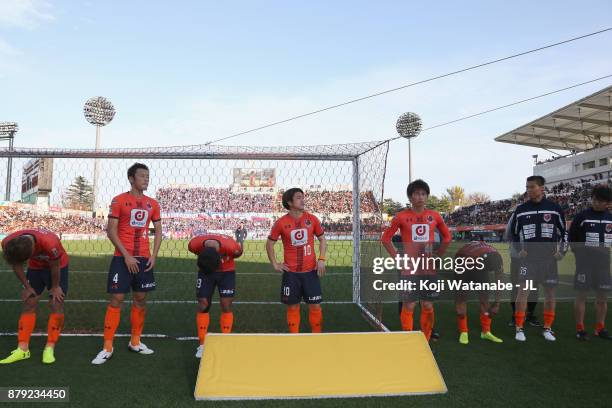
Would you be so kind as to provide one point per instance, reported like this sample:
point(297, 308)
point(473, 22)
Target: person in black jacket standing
point(241, 234)
point(590, 239)
point(538, 232)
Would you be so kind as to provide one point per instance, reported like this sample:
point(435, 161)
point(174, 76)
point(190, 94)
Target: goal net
point(201, 189)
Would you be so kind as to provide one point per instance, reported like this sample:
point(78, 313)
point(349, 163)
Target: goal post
point(200, 189)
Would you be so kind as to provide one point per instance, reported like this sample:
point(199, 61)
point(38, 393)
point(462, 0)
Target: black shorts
point(120, 280)
point(428, 294)
point(301, 285)
point(541, 271)
point(224, 281)
point(593, 273)
point(492, 263)
point(40, 279)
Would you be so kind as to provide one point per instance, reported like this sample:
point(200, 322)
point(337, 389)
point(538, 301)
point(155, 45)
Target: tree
point(478, 198)
point(441, 205)
point(456, 195)
point(391, 207)
point(79, 195)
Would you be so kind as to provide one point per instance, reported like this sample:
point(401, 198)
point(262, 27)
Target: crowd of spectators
point(12, 219)
point(224, 200)
point(572, 197)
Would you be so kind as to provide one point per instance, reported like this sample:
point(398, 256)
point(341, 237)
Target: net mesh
point(200, 189)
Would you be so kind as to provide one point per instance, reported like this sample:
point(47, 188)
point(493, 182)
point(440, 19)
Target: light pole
point(98, 111)
point(408, 126)
point(7, 132)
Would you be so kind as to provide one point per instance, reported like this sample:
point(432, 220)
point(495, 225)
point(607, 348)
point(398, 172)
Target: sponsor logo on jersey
point(420, 232)
point(138, 218)
point(547, 217)
point(299, 237)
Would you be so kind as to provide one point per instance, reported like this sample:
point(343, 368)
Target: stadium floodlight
point(98, 111)
point(7, 132)
point(409, 125)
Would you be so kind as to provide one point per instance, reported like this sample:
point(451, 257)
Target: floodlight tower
point(408, 126)
point(98, 111)
point(7, 132)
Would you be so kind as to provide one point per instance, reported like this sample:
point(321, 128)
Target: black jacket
point(539, 228)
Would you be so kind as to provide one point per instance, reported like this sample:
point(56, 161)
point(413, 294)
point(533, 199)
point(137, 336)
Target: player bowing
point(300, 268)
point(132, 265)
point(493, 263)
point(216, 268)
point(47, 268)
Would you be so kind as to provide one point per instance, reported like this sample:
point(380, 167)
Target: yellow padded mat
point(328, 365)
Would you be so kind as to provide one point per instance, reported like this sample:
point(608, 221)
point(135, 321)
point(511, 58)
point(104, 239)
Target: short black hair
point(540, 181)
point(417, 185)
point(288, 196)
point(493, 262)
point(602, 193)
point(18, 250)
point(209, 260)
point(134, 167)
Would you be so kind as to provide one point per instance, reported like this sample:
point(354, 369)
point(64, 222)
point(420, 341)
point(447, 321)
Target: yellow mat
point(328, 365)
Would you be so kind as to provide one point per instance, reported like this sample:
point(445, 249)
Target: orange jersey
point(417, 232)
point(475, 249)
point(134, 215)
point(47, 247)
point(229, 249)
point(298, 240)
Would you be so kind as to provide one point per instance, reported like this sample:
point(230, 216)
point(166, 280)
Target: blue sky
point(190, 71)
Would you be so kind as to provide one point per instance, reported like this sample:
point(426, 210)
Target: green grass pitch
point(535, 373)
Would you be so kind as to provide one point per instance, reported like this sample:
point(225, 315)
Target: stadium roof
point(348, 151)
point(579, 126)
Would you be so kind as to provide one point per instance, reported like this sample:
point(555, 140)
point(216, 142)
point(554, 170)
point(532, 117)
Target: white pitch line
point(153, 335)
point(163, 302)
point(194, 273)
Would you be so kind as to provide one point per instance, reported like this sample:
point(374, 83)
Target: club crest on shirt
point(608, 227)
point(307, 222)
point(149, 206)
point(430, 218)
point(547, 217)
point(55, 252)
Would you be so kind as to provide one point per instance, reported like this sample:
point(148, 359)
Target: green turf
point(535, 373)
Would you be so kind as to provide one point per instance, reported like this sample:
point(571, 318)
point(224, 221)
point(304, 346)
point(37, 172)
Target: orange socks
point(315, 317)
point(427, 322)
point(579, 327)
point(202, 320)
point(549, 317)
point(27, 321)
point(227, 320)
point(599, 327)
point(293, 319)
point(485, 322)
point(54, 328)
point(462, 323)
point(407, 319)
point(137, 318)
point(519, 319)
point(111, 322)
